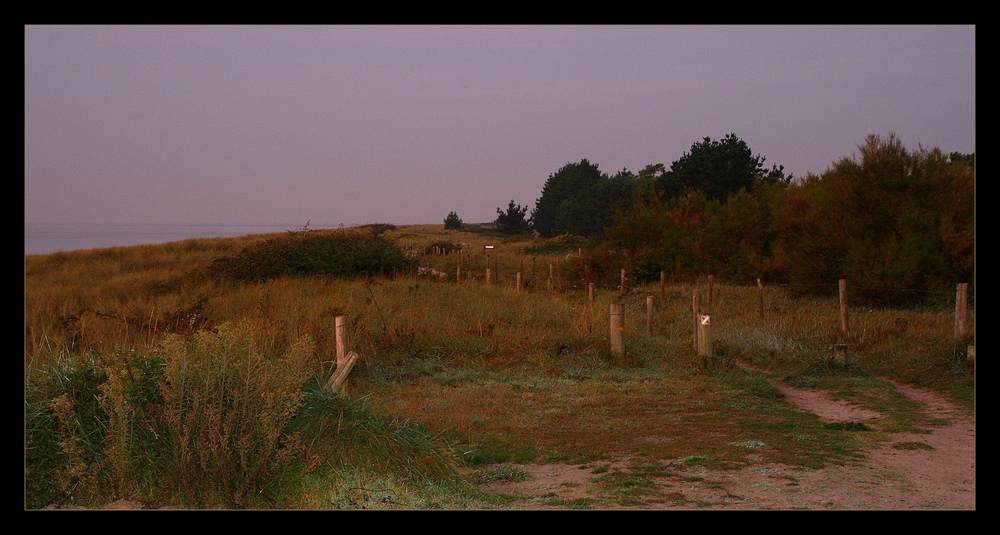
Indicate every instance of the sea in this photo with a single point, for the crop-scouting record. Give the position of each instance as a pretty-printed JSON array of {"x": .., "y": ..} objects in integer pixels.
[{"x": 48, "y": 238}]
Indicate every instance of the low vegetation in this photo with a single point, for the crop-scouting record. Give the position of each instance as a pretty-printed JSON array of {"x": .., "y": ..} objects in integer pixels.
[{"x": 190, "y": 374}]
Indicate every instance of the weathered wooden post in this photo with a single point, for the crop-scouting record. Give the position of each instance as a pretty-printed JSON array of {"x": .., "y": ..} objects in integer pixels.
[
  {"x": 487, "y": 275},
  {"x": 616, "y": 332},
  {"x": 590, "y": 293},
  {"x": 622, "y": 286},
  {"x": 696, "y": 307},
  {"x": 649, "y": 315},
  {"x": 843, "y": 307},
  {"x": 345, "y": 360},
  {"x": 340, "y": 339},
  {"x": 961, "y": 305},
  {"x": 663, "y": 285},
  {"x": 705, "y": 335},
  {"x": 518, "y": 285}
]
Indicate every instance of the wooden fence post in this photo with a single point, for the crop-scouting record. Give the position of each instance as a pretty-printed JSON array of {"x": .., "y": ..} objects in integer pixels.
[
  {"x": 663, "y": 285},
  {"x": 961, "y": 303},
  {"x": 622, "y": 287},
  {"x": 705, "y": 335},
  {"x": 340, "y": 339},
  {"x": 519, "y": 282},
  {"x": 336, "y": 381},
  {"x": 617, "y": 330},
  {"x": 345, "y": 361},
  {"x": 590, "y": 293},
  {"x": 487, "y": 275}
]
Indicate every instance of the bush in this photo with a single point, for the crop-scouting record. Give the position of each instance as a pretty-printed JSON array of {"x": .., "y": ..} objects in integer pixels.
[
  {"x": 312, "y": 253},
  {"x": 452, "y": 222},
  {"x": 63, "y": 431},
  {"x": 225, "y": 410},
  {"x": 378, "y": 229},
  {"x": 201, "y": 422}
]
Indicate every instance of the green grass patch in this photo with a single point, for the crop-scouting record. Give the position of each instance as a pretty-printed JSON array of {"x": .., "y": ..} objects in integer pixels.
[{"x": 912, "y": 446}]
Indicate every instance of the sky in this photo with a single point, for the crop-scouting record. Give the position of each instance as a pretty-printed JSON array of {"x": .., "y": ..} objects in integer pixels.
[{"x": 333, "y": 125}]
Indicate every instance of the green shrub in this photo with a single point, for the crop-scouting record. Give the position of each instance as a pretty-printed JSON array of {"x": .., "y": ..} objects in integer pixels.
[
  {"x": 225, "y": 407},
  {"x": 312, "y": 253},
  {"x": 63, "y": 431},
  {"x": 199, "y": 422},
  {"x": 377, "y": 229}
]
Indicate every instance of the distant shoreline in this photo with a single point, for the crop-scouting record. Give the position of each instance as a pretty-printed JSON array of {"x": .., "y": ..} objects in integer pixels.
[{"x": 48, "y": 238}]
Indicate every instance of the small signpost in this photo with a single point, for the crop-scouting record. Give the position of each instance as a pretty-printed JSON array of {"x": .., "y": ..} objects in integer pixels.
[{"x": 705, "y": 335}]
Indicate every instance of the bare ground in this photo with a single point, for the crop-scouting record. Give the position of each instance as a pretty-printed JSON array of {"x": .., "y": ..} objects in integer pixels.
[{"x": 940, "y": 475}]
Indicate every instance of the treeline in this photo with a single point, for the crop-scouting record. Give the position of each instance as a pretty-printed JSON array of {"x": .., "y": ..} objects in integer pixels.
[{"x": 899, "y": 222}]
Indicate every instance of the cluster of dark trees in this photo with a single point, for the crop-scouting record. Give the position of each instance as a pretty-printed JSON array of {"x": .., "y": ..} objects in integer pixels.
[{"x": 895, "y": 220}]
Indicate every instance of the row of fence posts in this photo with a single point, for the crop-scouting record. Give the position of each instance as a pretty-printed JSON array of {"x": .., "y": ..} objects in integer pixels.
[
  {"x": 702, "y": 332},
  {"x": 703, "y": 322}
]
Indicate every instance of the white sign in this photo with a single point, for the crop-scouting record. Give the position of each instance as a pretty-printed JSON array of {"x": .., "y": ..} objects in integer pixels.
[
  {"x": 705, "y": 320},
  {"x": 488, "y": 247}
]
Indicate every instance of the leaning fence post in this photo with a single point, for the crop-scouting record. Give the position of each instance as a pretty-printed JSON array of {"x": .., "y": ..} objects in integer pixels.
[
  {"x": 345, "y": 361},
  {"x": 336, "y": 382}
]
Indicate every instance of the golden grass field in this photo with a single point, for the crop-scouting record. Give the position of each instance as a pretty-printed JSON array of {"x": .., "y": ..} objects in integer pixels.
[{"x": 505, "y": 374}]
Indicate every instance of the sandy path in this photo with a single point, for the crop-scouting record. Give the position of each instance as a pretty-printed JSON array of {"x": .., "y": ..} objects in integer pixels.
[{"x": 942, "y": 478}]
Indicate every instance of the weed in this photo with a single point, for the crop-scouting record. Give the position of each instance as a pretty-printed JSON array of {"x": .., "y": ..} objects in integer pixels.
[
  {"x": 498, "y": 473},
  {"x": 847, "y": 426},
  {"x": 912, "y": 446}
]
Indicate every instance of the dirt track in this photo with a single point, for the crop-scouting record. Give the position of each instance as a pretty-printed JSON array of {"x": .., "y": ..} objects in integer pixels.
[{"x": 942, "y": 478}]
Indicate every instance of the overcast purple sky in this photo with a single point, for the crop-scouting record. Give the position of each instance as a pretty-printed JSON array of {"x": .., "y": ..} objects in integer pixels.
[{"x": 404, "y": 124}]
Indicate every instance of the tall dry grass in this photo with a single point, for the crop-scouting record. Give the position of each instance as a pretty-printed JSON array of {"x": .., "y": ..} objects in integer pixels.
[{"x": 97, "y": 320}]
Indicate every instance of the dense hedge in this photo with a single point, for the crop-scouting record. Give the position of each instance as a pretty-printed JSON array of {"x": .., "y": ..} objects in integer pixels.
[{"x": 312, "y": 253}]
